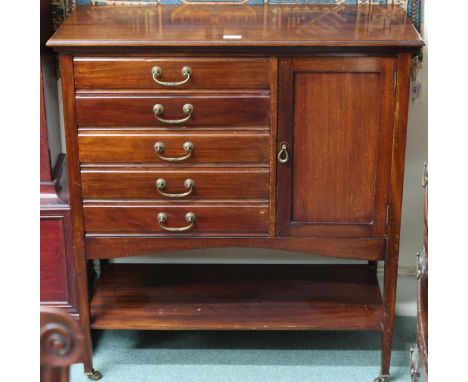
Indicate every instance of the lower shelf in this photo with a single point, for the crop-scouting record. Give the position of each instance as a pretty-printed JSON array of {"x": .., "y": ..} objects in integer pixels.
[{"x": 243, "y": 297}]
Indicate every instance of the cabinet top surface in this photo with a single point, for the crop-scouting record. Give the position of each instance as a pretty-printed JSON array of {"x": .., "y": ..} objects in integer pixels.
[{"x": 236, "y": 26}]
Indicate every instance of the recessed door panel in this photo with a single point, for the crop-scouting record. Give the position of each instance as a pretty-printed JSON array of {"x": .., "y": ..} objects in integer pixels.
[{"x": 335, "y": 147}]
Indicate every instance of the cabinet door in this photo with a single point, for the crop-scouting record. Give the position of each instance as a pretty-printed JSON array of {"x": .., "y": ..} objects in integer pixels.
[{"x": 336, "y": 120}]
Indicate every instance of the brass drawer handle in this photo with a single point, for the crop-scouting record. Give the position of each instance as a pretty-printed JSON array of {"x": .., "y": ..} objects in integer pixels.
[
  {"x": 189, "y": 216},
  {"x": 159, "y": 148},
  {"x": 186, "y": 71},
  {"x": 188, "y": 183},
  {"x": 158, "y": 109},
  {"x": 283, "y": 155}
]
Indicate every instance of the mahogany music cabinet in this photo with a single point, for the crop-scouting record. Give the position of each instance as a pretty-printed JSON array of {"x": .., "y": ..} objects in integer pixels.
[{"x": 214, "y": 126}]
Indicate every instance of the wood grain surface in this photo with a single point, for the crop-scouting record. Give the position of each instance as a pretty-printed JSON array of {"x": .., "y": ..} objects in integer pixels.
[
  {"x": 125, "y": 110},
  {"x": 214, "y": 297},
  {"x": 337, "y": 123},
  {"x": 228, "y": 183},
  {"x": 114, "y": 246},
  {"x": 141, "y": 218},
  {"x": 219, "y": 73},
  {"x": 138, "y": 147},
  {"x": 283, "y": 25}
]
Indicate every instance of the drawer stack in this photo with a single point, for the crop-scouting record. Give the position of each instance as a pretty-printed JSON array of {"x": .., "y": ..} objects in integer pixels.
[{"x": 175, "y": 146}]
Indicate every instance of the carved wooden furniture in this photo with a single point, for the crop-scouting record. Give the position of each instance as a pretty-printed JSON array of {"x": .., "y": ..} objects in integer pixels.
[
  {"x": 59, "y": 293},
  {"x": 237, "y": 126},
  {"x": 58, "y": 281},
  {"x": 419, "y": 355},
  {"x": 61, "y": 344}
]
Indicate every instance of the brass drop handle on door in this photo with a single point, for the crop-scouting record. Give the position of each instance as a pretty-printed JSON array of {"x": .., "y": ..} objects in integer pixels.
[
  {"x": 158, "y": 110},
  {"x": 189, "y": 217},
  {"x": 283, "y": 155},
  {"x": 156, "y": 72},
  {"x": 189, "y": 184},
  {"x": 159, "y": 148}
]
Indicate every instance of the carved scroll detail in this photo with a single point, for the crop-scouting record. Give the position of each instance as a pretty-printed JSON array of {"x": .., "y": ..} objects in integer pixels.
[{"x": 61, "y": 340}]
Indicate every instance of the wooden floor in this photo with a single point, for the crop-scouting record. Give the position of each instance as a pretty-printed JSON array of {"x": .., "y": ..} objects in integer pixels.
[{"x": 244, "y": 297}]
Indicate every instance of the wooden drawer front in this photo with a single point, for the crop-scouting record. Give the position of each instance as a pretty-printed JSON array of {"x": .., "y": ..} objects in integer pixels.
[
  {"x": 136, "y": 73},
  {"x": 208, "y": 184},
  {"x": 207, "y": 148},
  {"x": 137, "y": 111},
  {"x": 143, "y": 218}
]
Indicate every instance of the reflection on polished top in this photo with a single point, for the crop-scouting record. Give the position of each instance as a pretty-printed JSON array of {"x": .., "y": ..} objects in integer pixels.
[{"x": 237, "y": 25}]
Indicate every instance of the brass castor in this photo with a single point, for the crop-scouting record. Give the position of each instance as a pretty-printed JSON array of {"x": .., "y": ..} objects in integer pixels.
[
  {"x": 95, "y": 375},
  {"x": 382, "y": 378}
]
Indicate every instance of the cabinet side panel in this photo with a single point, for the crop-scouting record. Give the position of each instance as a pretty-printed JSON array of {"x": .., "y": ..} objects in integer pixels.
[
  {"x": 396, "y": 197},
  {"x": 335, "y": 147},
  {"x": 74, "y": 185},
  {"x": 54, "y": 275}
]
